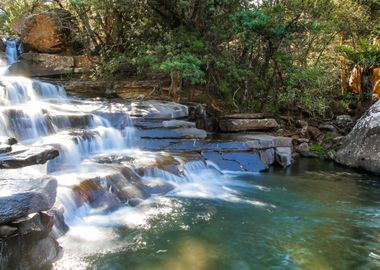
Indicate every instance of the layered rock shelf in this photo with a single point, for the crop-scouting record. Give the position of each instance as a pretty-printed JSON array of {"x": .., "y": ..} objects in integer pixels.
[
  {"x": 104, "y": 154},
  {"x": 247, "y": 122}
]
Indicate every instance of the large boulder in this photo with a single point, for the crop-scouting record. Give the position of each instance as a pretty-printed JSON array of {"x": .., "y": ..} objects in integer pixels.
[
  {"x": 48, "y": 32},
  {"x": 21, "y": 195},
  {"x": 361, "y": 147}
]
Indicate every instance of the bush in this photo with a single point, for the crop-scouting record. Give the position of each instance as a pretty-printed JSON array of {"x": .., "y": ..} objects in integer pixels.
[{"x": 311, "y": 89}]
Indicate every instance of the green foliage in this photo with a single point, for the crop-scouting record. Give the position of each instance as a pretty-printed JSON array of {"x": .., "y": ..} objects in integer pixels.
[
  {"x": 309, "y": 89},
  {"x": 365, "y": 54},
  {"x": 256, "y": 55},
  {"x": 319, "y": 150},
  {"x": 348, "y": 100}
]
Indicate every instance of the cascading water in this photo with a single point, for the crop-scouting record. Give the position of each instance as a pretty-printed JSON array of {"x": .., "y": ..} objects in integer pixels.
[
  {"x": 11, "y": 55},
  {"x": 11, "y": 50},
  {"x": 94, "y": 193},
  {"x": 126, "y": 207}
]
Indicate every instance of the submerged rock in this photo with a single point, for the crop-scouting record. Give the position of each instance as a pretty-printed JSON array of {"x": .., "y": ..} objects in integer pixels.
[
  {"x": 21, "y": 195},
  {"x": 361, "y": 147}
]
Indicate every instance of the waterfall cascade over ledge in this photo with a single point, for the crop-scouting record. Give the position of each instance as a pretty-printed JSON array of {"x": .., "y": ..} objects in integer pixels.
[{"x": 117, "y": 161}]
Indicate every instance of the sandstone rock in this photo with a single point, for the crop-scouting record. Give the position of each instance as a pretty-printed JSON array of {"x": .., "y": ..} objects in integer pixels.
[
  {"x": 361, "y": 147},
  {"x": 284, "y": 156},
  {"x": 21, "y": 195},
  {"x": 31, "y": 236},
  {"x": 345, "y": 123},
  {"x": 87, "y": 88},
  {"x": 327, "y": 127},
  {"x": 244, "y": 116},
  {"x": 180, "y": 133},
  {"x": 42, "y": 64},
  {"x": 48, "y": 32},
  {"x": 85, "y": 61},
  {"x": 303, "y": 147},
  {"x": 343, "y": 119},
  {"x": 314, "y": 133},
  {"x": 303, "y": 140},
  {"x": 234, "y": 125},
  {"x": 22, "y": 156},
  {"x": 301, "y": 123},
  {"x": 170, "y": 124}
]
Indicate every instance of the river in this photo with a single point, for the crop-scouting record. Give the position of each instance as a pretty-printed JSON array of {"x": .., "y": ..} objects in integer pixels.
[{"x": 130, "y": 203}]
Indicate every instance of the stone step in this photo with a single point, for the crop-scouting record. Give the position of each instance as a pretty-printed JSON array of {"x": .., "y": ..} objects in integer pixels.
[
  {"x": 251, "y": 143},
  {"x": 157, "y": 124},
  {"x": 236, "y": 125},
  {"x": 244, "y": 116},
  {"x": 22, "y": 156},
  {"x": 21, "y": 195},
  {"x": 179, "y": 133}
]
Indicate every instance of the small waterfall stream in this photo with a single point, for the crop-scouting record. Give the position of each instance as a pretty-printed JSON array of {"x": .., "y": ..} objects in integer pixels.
[{"x": 11, "y": 50}]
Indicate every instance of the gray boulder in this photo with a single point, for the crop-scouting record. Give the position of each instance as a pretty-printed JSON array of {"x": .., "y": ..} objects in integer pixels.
[
  {"x": 284, "y": 156},
  {"x": 234, "y": 125},
  {"x": 361, "y": 147},
  {"x": 21, "y": 195}
]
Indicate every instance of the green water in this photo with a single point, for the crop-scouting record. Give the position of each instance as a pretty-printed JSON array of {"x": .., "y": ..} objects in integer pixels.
[{"x": 315, "y": 216}]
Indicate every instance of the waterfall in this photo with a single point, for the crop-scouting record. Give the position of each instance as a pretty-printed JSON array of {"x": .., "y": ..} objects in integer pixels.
[
  {"x": 104, "y": 179},
  {"x": 11, "y": 50}
]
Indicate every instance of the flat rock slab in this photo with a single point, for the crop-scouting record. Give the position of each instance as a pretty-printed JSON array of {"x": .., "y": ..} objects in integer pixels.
[
  {"x": 170, "y": 124},
  {"x": 255, "y": 142},
  {"x": 180, "y": 133},
  {"x": 22, "y": 156},
  {"x": 235, "y": 125},
  {"x": 237, "y": 161},
  {"x": 21, "y": 195},
  {"x": 244, "y": 116}
]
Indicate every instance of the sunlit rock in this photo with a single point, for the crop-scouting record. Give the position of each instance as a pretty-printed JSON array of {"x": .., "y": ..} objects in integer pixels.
[
  {"x": 361, "y": 148},
  {"x": 22, "y": 156},
  {"x": 21, "y": 195}
]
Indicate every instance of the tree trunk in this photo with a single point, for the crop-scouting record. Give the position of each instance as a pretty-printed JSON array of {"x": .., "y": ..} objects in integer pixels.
[
  {"x": 367, "y": 88},
  {"x": 343, "y": 70},
  {"x": 175, "y": 84}
]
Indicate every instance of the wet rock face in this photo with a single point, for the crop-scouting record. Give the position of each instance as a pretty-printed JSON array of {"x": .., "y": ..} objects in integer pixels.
[
  {"x": 22, "y": 195},
  {"x": 21, "y": 156},
  {"x": 31, "y": 236},
  {"x": 42, "y": 64},
  {"x": 361, "y": 147}
]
